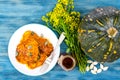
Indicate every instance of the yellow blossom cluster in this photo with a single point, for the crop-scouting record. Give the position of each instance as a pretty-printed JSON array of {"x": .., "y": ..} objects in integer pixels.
[
  {"x": 64, "y": 19},
  {"x": 64, "y": 2},
  {"x": 60, "y": 12}
]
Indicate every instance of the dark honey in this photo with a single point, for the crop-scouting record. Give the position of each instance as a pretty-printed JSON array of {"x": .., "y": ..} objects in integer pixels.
[{"x": 67, "y": 62}]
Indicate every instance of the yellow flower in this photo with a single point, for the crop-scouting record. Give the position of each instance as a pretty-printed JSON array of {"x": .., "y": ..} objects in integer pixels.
[
  {"x": 56, "y": 22},
  {"x": 48, "y": 14},
  {"x": 64, "y": 2},
  {"x": 76, "y": 14},
  {"x": 45, "y": 19},
  {"x": 58, "y": 6},
  {"x": 68, "y": 20}
]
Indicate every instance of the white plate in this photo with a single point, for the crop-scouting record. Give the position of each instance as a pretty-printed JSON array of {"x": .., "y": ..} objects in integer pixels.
[{"x": 15, "y": 40}]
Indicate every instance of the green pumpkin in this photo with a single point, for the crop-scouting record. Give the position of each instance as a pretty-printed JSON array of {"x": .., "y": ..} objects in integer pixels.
[{"x": 99, "y": 34}]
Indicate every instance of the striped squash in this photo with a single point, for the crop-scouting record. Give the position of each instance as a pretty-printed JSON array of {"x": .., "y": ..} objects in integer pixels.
[{"x": 99, "y": 34}]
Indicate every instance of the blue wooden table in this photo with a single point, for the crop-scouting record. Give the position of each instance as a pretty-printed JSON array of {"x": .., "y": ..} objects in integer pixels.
[{"x": 16, "y": 13}]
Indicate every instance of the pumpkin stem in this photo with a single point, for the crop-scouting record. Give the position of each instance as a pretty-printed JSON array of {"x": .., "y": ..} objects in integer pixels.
[{"x": 112, "y": 32}]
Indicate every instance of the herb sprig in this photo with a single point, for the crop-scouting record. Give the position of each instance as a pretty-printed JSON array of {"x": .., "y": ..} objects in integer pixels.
[{"x": 64, "y": 19}]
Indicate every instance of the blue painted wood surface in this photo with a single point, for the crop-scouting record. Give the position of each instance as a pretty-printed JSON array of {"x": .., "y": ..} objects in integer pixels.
[{"x": 16, "y": 13}]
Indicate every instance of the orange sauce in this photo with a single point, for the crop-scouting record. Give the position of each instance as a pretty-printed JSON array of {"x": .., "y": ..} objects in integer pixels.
[{"x": 33, "y": 50}]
